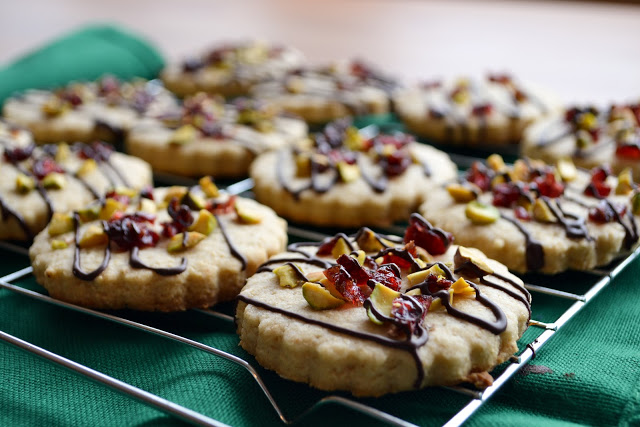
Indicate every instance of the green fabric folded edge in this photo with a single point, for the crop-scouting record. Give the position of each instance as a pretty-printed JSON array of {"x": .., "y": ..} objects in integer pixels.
[{"x": 84, "y": 54}]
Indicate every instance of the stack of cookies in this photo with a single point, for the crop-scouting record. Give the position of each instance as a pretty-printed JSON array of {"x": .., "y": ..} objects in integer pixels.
[{"x": 363, "y": 310}]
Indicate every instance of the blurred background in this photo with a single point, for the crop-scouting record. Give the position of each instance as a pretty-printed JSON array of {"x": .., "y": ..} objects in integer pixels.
[{"x": 585, "y": 51}]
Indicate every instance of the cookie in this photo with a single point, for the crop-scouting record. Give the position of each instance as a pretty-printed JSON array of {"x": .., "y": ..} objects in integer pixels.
[
  {"x": 35, "y": 181},
  {"x": 85, "y": 111},
  {"x": 231, "y": 69},
  {"x": 589, "y": 136},
  {"x": 348, "y": 179},
  {"x": 535, "y": 217},
  {"x": 167, "y": 250},
  {"x": 206, "y": 137},
  {"x": 492, "y": 111},
  {"x": 320, "y": 95},
  {"x": 374, "y": 314}
]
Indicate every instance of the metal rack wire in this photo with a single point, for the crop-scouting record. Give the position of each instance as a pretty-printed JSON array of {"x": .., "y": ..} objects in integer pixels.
[{"x": 601, "y": 278}]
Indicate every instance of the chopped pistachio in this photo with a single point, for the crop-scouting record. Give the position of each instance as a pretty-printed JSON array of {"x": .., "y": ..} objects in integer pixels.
[
  {"x": 567, "y": 169},
  {"x": 367, "y": 241},
  {"x": 319, "y": 298},
  {"x": 147, "y": 205},
  {"x": 60, "y": 223},
  {"x": 496, "y": 162},
  {"x": 183, "y": 135},
  {"x": 480, "y": 213},
  {"x": 176, "y": 191},
  {"x": 63, "y": 152},
  {"x": 288, "y": 276},
  {"x": 625, "y": 182},
  {"x": 462, "y": 193},
  {"x": 89, "y": 213},
  {"x": 93, "y": 236},
  {"x": 205, "y": 223},
  {"x": 24, "y": 183},
  {"x": 381, "y": 299},
  {"x": 59, "y": 244},
  {"x": 87, "y": 167},
  {"x": 247, "y": 215},
  {"x": 542, "y": 212},
  {"x": 110, "y": 207},
  {"x": 54, "y": 180},
  {"x": 348, "y": 172},
  {"x": 208, "y": 187},
  {"x": 179, "y": 243}
]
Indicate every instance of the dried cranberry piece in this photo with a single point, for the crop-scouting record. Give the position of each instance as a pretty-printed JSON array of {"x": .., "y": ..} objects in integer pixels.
[
  {"x": 434, "y": 240},
  {"x": 548, "y": 186},
  {"x": 328, "y": 244},
  {"x": 147, "y": 192},
  {"x": 604, "y": 212},
  {"x": 181, "y": 215},
  {"x": 345, "y": 284},
  {"x": 479, "y": 175},
  {"x": 108, "y": 85},
  {"x": 220, "y": 208},
  {"x": 482, "y": 110},
  {"x": 398, "y": 140},
  {"x": 395, "y": 258},
  {"x": 522, "y": 214},
  {"x": 499, "y": 78},
  {"x": 425, "y": 300},
  {"x": 354, "y": 269},
  {"x": 396, "y": 163},
  {"x": 628, "y": 151},
  {"x": 506, "y": 194},
  {"x": 437, "y": 283},
  {"x": 131, "y": 230},
  {"x": 71, "y": 97},
  {"x": 388, "y": 276},
  {"x": 598, "y": 187},
  {"x": 45, "y": 166},
  {"x": 18, "y": 154},
  {"x": 98, "y": 151},
  {"x": 122, "y": 198},
  {"x": 407, "y": 314}
]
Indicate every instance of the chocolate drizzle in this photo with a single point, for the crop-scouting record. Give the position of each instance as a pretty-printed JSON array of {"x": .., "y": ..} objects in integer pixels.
[
  {"x": 234, "y": 251},
  {"x": 534, "y": 252},
  {"x": 6, "y": 212},
  {"x": 136, "y": 262},
  {"x": 574, "y": 226},
  {"x": 77, "y": 265}
]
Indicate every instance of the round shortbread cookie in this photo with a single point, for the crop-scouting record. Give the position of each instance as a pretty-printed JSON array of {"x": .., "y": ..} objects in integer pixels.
[
  {"x": 320, "y": 95},
  {"x": 464, "y": 111},
  {"x": 589, "y": 136},
  {"x": 85, "y": 111},
  {"x": 349, "y": 180},
  {"x": 534, "y": 217},
  {"x": 35, "y": 181},
  {"x": 231, "y": 69},
  {"x": 133, "y": 252},
  {"x": 314, "y": 319},
  {"x": 206, "y": 137}
]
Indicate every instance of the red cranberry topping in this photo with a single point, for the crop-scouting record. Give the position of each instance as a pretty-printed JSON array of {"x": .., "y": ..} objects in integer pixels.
[
  {"x": 506, "y": 194},
  {"x": 108, "y": 85},
  {"x": 388, "y": 276},
  {"x": 396, "y": 163},
  {"x": 434, "y": 240},
  {"x": 45, "y": 166},
  {"x": 147, "y": 192},
  {"x": 98, "y": 151},
  {"x": 482, "y": 110},
  {"x": 122, "y": 198},
  {"x": 345, "y": 284},
  {"x": 438, "y": 283},
  {"x": 628, "y": 151},
  {"x": 182, "y": 218},
  {"x": 604, "y": 213},
  {"x": 71, "y": 97},
  {"x": 479, "y": 175},
  {"x": 406, "y": 314},
  {"x": 18, "y": 154},
  {"x": 355, "y": 270},
  {"x": 499, "y": 78},
  {"x": 131, "y": 230},
  {"x": 522, "y": 214},
  {"x": 402, "y": 260},
  {"x": 548, "y": 186},
  {"x": 327, "y": 246},
  {"x": 598, "y": 187},
  {"x": 220, "y": 208}
]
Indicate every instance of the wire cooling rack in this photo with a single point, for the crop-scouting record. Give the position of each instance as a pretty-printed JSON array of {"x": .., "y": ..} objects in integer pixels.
[{"x": 591, "y": 283}]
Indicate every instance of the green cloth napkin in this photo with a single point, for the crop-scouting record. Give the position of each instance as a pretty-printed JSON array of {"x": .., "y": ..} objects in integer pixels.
[{"x": 85, "y": 54}]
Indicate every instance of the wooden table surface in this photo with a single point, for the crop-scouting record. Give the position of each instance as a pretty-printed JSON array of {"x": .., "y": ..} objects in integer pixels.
[{"x": 586, "y": 52}]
